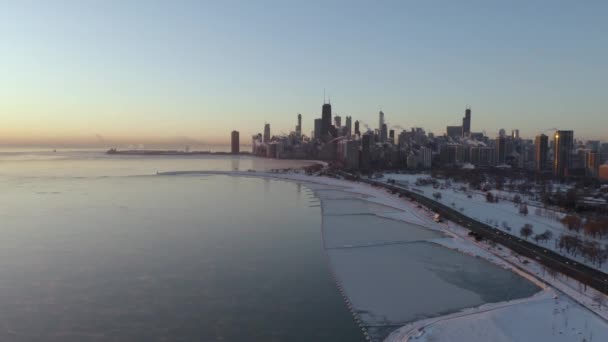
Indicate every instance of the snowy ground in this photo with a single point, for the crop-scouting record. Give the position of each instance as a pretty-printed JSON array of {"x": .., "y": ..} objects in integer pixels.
[
  {"x": 496, "y": 214},
  {"x": 544, "y": 318},
  {"x": 562, "y": 311}
]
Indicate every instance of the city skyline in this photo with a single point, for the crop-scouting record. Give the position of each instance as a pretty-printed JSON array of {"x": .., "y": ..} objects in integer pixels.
[{"x": 208, "y": 69}]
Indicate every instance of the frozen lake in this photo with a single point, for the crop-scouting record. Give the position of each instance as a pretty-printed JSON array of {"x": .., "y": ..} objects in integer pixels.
[{"x": 394, "y": 274}]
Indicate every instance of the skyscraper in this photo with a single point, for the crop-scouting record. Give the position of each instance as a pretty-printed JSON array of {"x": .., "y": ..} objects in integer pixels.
[
  {"x": 318, "y": 129},
  {"x": 326, "y": 120},
  {"x": 338, "y": 121},
  {"x": 454, "y": 131},
  {"x": 267, "y": 133},
  {"x": 357, "y": 131},
  {"x": 592, "y": 163},
  {"x": 380, "y": 120},
  {"x": 563, "y": 143},
  {"x": 366, "y": 142},
  {"x": 299, "y": 125},
  {"x": 501, "y": 149},
  {"x": 349, "y": 125},
  {"x": 466, "y": 122},
  {"x": 542, "y": 152},
  {"x": 515, "y": 134},
  {"x": 383, "y": 133},
  {"x": 235, "y": 144}
]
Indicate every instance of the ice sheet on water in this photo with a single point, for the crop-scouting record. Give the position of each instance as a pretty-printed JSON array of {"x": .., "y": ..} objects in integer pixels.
[
  {"x": 338, "y": 194},
  {"x": 354, "y": 207},
  {"x": 395, "y": 284},
  {"x": 361, "y": 230}
]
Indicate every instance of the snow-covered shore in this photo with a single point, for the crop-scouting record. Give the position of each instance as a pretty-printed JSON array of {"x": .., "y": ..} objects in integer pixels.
[{"x": 548, "y": 315}]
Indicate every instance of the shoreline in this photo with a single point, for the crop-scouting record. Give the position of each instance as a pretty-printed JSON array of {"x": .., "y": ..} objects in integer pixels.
[{"x": 409, "y": 213}]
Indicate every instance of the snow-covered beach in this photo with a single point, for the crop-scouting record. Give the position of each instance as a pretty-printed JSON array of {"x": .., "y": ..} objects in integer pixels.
[{"x": 367, "y": 265}]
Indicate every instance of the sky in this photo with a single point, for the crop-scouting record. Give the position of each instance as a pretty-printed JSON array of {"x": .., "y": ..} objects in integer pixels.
[{"x": 189, "y": 72}]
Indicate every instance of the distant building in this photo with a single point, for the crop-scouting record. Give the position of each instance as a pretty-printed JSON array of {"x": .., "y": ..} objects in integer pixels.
[
  {"x": 541, "y": 144},
  {"x": 466, "y": 122},
  {"x": 391, "y": 136},
  {"x": 318, "y": 129},
  {"x": 383, "y": 133},
  {"x": 338, "y": 121},
  {"x": 594, "y": 145},
  {"x": 349, "y": 125},
  {"x": 357, "y": 131},
  {"x": 299, "y": 125},
  {"x": 515, "y": 134},
  {"x": 562, "y": 153},
  {"x": 348, "y": 153},
  {"x": 425, "y": 157},
  {"x": 267, "y": 133},
  {"x": 501, "y": 149},
  {"x": 603, "y": 172},
  {"x": 234, "y": 142},
  {"x": 411, "y": 162},
  {"x": 451, "y": 154},
  {"x": 326, "y": 121},
  {"x": 366, "y": 143},
  {"x": 592, "y": 163},
  {"x": 482, "y": 155},
  {"x": 454, "y": 132},
  {"x": 380, "y": 120}
]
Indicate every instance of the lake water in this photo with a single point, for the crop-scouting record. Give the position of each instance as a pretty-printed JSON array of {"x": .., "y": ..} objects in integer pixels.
[
  {"x": 97, "y": 255},
  {"x": 97, "y": 247}
]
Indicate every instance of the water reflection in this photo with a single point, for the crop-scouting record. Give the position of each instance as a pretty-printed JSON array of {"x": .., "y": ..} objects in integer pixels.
[{"x": 165, "y": 258}]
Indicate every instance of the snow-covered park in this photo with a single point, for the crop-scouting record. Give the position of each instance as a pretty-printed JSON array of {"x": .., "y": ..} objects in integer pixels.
[{"x": 503, "y": 214}]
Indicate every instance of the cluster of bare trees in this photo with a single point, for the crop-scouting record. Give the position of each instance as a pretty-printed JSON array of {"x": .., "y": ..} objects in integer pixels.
[
  {"x": 550, "y": 214},
  {"x": 596, "y": 227},
  {"x": 543, "y": 237},
  {"x": 424, "y": 181},
  {"x": 592, "y": 251},
  {"x": 490, "y": 198}
]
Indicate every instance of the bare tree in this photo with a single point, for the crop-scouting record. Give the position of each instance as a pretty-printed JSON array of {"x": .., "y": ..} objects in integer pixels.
[
  {"x": 526, "y": 231},
  {"x": 523, "y": 209}
]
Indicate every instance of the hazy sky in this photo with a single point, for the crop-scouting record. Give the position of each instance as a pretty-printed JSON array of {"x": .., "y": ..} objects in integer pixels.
[{"x": 139, "y": 71}]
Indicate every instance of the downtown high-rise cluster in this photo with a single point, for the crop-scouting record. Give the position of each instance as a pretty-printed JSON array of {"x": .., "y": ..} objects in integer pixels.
[{"x": 356, "y": 146}]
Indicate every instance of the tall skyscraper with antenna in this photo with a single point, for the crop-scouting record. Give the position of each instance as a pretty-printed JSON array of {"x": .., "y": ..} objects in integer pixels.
[{"x": 325, "y": 118}]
